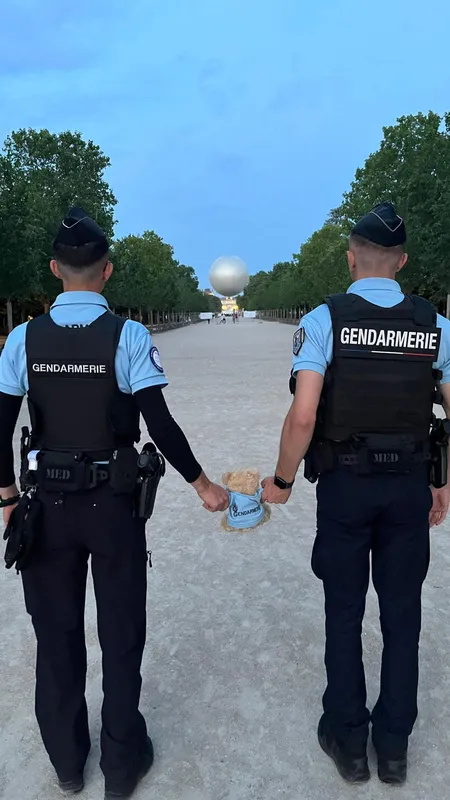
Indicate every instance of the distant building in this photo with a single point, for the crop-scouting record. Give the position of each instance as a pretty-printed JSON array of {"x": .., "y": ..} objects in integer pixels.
[
  {"x": 229, "y": 305},
  {"x": 208, "y": 291}
]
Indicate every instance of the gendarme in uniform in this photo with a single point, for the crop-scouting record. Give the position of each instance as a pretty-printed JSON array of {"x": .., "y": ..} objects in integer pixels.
[
  {"x": 379, "y": 352},
  {"x": 88, "y": 375}
]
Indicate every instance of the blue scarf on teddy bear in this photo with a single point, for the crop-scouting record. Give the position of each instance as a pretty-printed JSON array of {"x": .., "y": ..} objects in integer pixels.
[{"x": 245, "y": 511}]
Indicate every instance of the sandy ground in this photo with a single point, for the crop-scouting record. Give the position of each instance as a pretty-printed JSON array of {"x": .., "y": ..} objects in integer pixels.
[{"x": 233, "y": 671}]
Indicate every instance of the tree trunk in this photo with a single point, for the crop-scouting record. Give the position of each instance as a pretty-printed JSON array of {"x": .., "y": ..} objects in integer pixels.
[
  {"x": 129, "y": 313},
  {"x": 9, "y": 315},
  {"x": 46, "y": 307},
  {"x": 448, "y": 307},
  {"x": 140, "y": 314}
]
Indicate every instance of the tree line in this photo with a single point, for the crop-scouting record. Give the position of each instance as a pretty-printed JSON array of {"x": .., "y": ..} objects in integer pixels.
[
  {"x": 42, "y": 174},
  {"x": 411, "y": 168}
]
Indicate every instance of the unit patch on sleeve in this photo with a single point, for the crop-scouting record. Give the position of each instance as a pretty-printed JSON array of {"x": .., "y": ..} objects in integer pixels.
[
  {"x": 299, "y": 338},
  {"x": 155, "y": 359}
]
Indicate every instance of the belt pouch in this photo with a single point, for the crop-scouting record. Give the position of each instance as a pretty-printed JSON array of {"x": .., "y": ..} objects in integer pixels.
[
  {"x": 123, "y": 470},
  {"x": 63, "y": 472}
]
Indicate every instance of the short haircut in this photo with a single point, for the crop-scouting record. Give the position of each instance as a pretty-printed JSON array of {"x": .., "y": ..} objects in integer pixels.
[
  {"x": 80, "y": 258},
  {"x": 375, "y": 252}
]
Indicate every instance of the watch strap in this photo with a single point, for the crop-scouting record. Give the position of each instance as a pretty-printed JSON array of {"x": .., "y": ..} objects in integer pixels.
[
  {"x": 10, "y": 501},
  {"x": 282, "y": 484}
]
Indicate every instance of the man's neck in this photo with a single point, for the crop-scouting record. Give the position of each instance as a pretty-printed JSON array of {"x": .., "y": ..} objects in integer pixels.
[
  {"x": 82, "y": 287},
  {"x": 360, "y": 275}
]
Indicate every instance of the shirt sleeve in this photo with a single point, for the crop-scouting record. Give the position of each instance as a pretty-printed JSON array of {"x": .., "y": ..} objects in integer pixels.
[
  {"x": 312, "y": 347},
  {"x": 13, "y": 366},
  {"x": 138, "y": 363},
  {"x": 167, "y": 434},
  {"x": 9, "y": 414},
  {"x": 443, "y": 362}
]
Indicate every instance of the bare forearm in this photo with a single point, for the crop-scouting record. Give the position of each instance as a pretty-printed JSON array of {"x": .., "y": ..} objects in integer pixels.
[
  {"x": 447, "y": 414},
  {"x": 202, "y": 483},
  {"x": 295, "y": 440}
]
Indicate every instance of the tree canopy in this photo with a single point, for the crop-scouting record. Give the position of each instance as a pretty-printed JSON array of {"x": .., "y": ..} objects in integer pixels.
[
  {"x": 411, "y": 168},
  {"x": 42, "y": 174}
]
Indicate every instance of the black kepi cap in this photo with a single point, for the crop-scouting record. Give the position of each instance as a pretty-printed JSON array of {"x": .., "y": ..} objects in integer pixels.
[
  {"x": 382, "y": 226},
  {"x": 78, "y": 229}
]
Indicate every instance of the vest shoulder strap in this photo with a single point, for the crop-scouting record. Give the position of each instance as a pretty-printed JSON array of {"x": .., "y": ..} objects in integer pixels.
[
  {"x": 108, "y": 321},
  {"x": 424, "y": 312},
  {"x": 41, "y": 323},
  {"x": 351, "y": 306},
  {"x": 343, "y": 305},
  {"x": 342, "y": 300}
]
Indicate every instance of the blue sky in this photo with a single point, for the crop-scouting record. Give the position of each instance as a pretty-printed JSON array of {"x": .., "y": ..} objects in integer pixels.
[{"x": 233, "y": 126}]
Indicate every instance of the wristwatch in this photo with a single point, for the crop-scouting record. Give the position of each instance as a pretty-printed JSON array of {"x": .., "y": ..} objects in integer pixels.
[
  {"x": 10, "y": 501},
  {"x": 282, "y": 484}
]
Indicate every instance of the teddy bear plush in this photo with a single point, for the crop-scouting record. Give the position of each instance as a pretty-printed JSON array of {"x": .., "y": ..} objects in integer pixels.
[{"x": 246, "y": 511}]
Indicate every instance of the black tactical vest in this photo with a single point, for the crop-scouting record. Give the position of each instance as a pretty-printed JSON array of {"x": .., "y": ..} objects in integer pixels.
[
  {"x": 74, "y": 401},
  {"x": 381, "y": 378}
]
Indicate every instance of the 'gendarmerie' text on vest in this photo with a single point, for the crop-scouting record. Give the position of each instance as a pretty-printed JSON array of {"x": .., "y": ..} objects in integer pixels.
[
  {"x": 77, "y": 369},
  {"x": 411, "y": 340}
]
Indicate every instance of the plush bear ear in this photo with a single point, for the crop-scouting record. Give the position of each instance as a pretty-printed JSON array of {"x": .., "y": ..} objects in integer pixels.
[{"x": 226, "y": 477}]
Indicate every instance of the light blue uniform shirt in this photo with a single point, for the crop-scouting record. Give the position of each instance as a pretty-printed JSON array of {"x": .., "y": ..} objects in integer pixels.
[
  {"x": 316, "y": 351},
  {"x": 137, "y": 359}
]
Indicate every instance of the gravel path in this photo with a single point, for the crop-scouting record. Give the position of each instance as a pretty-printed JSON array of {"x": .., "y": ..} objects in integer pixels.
[{"x": 233, "y": 671}]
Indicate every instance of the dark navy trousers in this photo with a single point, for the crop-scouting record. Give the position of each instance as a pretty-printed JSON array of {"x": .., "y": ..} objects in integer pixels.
[
  {"x": 95, "y": 526},
  {"x": 378, "y": 521}
]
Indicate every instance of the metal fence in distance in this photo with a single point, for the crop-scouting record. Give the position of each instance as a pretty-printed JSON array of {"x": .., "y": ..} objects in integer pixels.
[{"x": 290, "y": 316}]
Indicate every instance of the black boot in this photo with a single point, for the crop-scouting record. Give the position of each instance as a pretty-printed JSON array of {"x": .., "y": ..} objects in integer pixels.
[
  {"x": 392, "y": 770},
  {"x": 353, "y": 767},
  {"x": 73, "y": 786},
  {"x": 392, "y": 754},
  {"x": 120, "y": 790}
]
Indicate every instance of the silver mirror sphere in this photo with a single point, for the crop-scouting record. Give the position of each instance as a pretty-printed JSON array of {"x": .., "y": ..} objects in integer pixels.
[{"x": 228, "y": 275}]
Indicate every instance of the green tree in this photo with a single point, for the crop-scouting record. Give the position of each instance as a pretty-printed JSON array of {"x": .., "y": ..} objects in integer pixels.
[
  {"x": 256, "y": 296},
  {"x": 45, "y": 174},
  {"x": 213, "y": 303},
  {"x": 320, "y": 268},
  {"x": 189, "y": 296},
  {"x": 148, "y": 277},
  {"x": 145, "y": 275},
  {"x": 41, "y": 176},
  {"x": 18, "y": 273},
  {"x": 411, "y": 168}
]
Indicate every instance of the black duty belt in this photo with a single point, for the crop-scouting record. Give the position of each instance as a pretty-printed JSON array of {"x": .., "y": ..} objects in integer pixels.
[
  {"x": 99, "y": 474},
  {"x": 370, "y": 454},
  {"x": 378, "y": 459},
  {"x": 381, "y": 457},
  {"x": 62, "y": 472}
]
